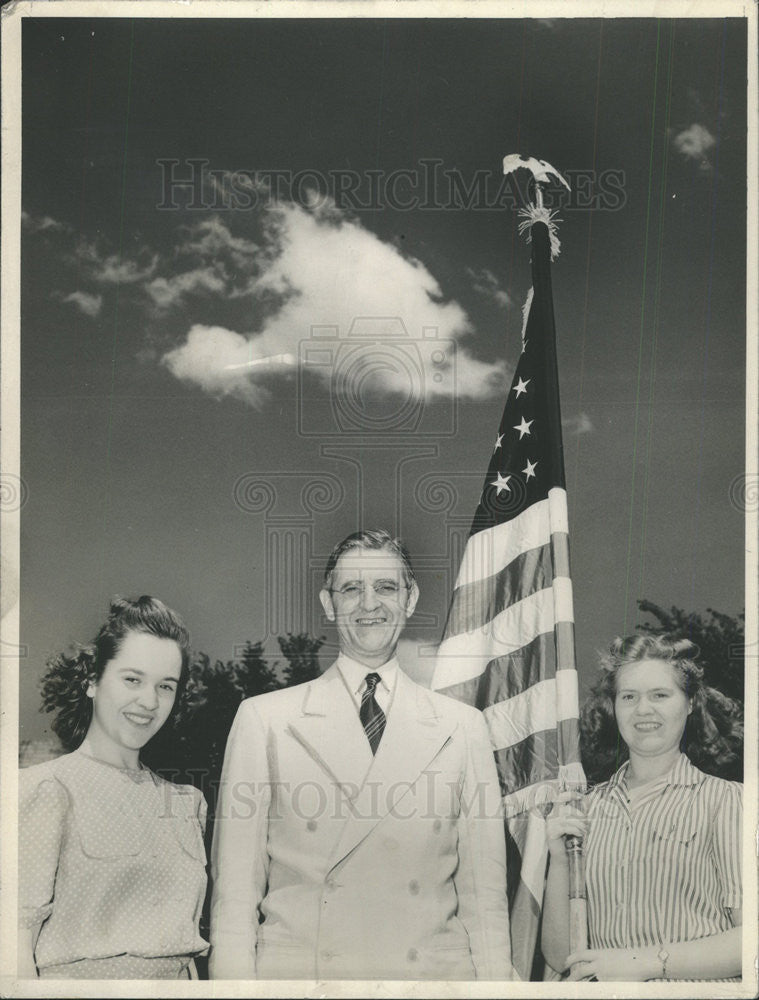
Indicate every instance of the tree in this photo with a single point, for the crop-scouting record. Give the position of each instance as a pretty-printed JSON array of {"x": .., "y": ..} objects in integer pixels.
[
  {"x": 302, "y": 654},
  {"x": 190, "y": 749},
  {"x": 254, "y": 675},
  {"x": 720, "y": 638}
]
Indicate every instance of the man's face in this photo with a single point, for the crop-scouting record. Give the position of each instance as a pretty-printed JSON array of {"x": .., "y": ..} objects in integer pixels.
[{"x": 369, "y": 600}]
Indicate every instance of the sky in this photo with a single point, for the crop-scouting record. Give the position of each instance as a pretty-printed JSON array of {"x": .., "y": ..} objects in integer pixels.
[{"x": 272, "y": 288}]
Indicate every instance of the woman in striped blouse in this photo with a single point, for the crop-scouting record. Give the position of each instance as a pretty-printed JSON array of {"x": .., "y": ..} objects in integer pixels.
[{"x": 662, "y": 837}]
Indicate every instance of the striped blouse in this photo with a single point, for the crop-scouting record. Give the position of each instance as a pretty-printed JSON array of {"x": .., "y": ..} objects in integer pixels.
[{"x": 666, "y": 866}]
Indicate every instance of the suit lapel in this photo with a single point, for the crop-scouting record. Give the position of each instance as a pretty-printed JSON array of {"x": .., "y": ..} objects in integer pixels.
[
  {"x": 330, "y": 730},
  {"x": 413, "y": 736}
]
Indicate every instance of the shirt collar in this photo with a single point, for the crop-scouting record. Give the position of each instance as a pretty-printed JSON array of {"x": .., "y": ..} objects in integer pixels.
[
  {"x": 683, "y": 772},
  {"x": 354, "y": 673}
]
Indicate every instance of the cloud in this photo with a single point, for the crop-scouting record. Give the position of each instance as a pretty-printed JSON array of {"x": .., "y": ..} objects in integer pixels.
[
  {"x": 212, "y": 238},
  {"x": 296, "y": 271},
  {"x": 486, "y": 283},
  {"x": 167, "y": 292},
  {"x": 579, "y": 424},
  {"x": 224, "y": 263},
  {"x": 39, "y": 224},
  {"x": 90, "y": 305},
  {"x": 215, "y": 359},
  {"x": 694, "y": 143},
  {"x": 317, "y": 269},
  {"x": 115, "y": 269}
]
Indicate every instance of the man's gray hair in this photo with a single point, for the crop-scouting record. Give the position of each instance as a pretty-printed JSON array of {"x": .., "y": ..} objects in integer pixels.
[{"x": 371, "y": 538}]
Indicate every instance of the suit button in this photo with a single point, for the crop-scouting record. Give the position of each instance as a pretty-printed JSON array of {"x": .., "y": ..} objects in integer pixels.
[
  {"x": 413, "y": 955},
  {"x": 311, "y": 825},
  {"x": 327, "y": 955},
  {"x": 413, "y": 887},
  {"x": 331, "y": 884}
]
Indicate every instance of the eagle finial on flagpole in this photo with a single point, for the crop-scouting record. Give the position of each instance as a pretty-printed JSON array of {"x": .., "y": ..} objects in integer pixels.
[{"x": 542, "y": 173}]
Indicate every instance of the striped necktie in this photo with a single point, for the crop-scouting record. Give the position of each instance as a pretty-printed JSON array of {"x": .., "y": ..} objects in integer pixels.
[{"x": 371, "y": 715}]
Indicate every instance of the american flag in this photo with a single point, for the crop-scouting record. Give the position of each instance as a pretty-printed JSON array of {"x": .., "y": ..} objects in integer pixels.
[{"x": 508, "y": 646}]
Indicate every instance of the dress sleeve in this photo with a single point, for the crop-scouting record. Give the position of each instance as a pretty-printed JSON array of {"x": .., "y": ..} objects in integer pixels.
[
  {"x": 201, "y": 809},
  {"x": 42, "y": 811},
  {"x": 726, "y": 844}
]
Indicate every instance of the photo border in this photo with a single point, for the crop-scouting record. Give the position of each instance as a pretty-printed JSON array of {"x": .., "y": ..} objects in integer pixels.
[{"x": 13, "y": 16}]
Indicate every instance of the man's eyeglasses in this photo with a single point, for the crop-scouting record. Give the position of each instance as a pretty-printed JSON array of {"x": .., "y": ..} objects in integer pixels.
[{"x": 384, "y": 588}]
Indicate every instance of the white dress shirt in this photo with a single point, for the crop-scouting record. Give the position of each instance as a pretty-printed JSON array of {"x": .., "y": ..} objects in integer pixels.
[{"x": 354, "y": 675}]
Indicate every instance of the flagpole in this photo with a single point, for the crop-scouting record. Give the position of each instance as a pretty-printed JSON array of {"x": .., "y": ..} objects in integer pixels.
[
  {"x": 578, "y": 900},
  {"x": 578, "y": 903},
  {"x": 502, "y": 643}
]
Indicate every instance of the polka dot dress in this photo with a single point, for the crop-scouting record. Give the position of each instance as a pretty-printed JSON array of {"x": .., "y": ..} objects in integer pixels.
[{"x": 112, "y": 864}]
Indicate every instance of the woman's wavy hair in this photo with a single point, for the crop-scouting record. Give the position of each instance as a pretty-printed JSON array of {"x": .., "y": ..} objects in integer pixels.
[
  {"x": 68, "y": 676},
  {"x": 713, "y": 736}
]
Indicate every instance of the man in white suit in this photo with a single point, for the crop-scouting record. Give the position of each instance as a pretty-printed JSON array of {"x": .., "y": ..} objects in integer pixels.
[{"x": 359, "y": 831}]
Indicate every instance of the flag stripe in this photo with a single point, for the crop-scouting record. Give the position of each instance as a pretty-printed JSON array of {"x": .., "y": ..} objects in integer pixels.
[
  {"x": 492, "y": 548},
  {"x": 487, "y": 551},
  {"x": 534, "y": 856},
  {"x": 510, "y": 674},
  {"x": 535, "y": 759},
  {"x": 475, "y": 604},
  {"x": 539, "y": 707},
  {"x": 466, "y": 655}
]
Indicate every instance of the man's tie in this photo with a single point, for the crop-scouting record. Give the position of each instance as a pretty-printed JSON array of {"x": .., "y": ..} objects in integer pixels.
[{"x": 371, "y": 715}]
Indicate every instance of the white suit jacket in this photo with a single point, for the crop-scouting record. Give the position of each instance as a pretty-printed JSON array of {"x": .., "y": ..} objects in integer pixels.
[{"x": 328, "y": 863}]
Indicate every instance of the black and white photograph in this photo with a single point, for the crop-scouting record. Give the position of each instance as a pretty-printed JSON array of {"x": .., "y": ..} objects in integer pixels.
[{"x": 379, "y": 499}]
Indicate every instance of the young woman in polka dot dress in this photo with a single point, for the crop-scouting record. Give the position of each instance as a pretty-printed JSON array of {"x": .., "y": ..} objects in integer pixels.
[{"x": 111, "y": 857}]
